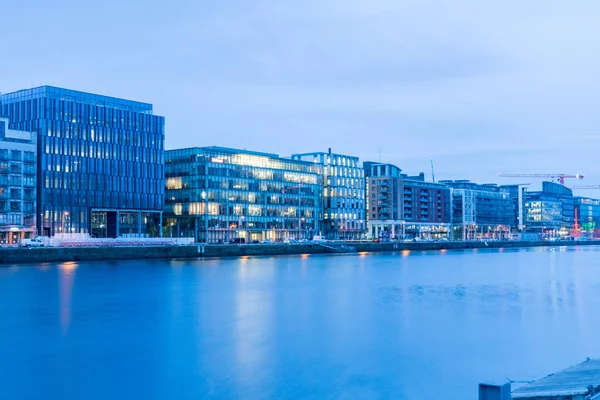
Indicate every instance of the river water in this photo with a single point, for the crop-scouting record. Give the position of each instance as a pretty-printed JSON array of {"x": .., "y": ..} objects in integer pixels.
[{"x": 411, "y": 325}]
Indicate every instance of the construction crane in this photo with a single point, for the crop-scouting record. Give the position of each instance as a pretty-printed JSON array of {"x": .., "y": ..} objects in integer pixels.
[
  {"x": 432, "y": 172},
  {"x": 559, "y": 177}
]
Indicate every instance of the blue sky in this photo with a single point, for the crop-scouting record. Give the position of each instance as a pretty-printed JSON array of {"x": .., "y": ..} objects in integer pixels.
[{"x": 480, "y": 87}]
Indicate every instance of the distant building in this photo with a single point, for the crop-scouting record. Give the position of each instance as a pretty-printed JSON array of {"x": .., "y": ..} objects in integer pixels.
[
  {"x": 426, "y": 209},
  {"x": 588, "y": 215},
  {"x": 100, "y": 160},
  {"x": 17, "y": 184},
  {"x": 344, "y": 195},
  {"x": 385, "y": 216},
  {"x": 400, "y": 206},
  {"x": 480, "y": 211},
  {"x": 551, "y": 211},
  {"x": 218, "y": 194},
  {"x": 517, "y": 194}
]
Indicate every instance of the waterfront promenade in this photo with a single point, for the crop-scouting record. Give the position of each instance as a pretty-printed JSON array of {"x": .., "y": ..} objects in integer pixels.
[{"x": 61, "y": 254}]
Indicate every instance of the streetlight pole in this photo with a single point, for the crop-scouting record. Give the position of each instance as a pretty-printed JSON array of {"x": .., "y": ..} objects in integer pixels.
[{"x": 64, "y": 217}]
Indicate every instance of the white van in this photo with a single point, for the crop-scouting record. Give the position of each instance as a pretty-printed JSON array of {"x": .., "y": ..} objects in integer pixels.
[
  {"x": 319, "y": 239},
  {"x": 38, "y": 241}
]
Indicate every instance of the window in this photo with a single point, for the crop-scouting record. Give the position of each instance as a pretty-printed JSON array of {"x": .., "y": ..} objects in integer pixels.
[
  {"x": 15, "y": 155},
  {"x": 15, "y": 180},
  {"x": 29, "y": 181},
  {"x": 29, "y": 156},
  {"x": 15, "y": 193},
  {"x": 15, "y": 206},
  {"x": 14, "y": 219}
]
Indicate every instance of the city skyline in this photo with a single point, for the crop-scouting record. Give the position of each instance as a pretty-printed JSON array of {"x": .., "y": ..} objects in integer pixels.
[{"x": 492, "y": 89}]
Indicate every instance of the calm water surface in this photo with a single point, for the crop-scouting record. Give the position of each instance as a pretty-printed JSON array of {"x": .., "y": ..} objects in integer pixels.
[{"x": 419, "y": 325}]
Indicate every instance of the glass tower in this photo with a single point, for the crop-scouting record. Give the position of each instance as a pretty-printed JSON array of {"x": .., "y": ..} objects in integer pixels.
[
  {"x": 344, "y": 194},
  {"x": 100, "y": 163},
  {"x": 218, "y": 194}
]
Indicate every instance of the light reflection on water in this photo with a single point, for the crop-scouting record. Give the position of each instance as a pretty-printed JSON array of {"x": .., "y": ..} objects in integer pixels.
[{"x": 424, "y": 325}]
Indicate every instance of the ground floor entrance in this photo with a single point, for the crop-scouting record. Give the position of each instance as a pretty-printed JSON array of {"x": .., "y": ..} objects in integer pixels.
[
  {"x": 125, "y": 223},
  {"x": 14, "y": 237}
]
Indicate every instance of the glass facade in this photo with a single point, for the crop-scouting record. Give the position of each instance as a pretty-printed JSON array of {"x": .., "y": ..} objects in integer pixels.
[
  {"x": 99, "y": 157},
  {"x": 550, "y": 211},
  {"x": 17, "y": 184},
  {"x": 219, "y": 195},
  {"x": 588, "y": 214},
  {"x": 344, "y": 194},
  {"x": 480, "y": 211}
]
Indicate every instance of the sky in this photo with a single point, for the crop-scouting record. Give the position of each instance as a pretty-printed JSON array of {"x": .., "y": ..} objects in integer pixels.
[{"x": 480, "y": 87}]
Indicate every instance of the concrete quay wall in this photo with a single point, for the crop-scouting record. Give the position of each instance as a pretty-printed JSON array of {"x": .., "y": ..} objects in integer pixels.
[{"x": 59, "y": 254}]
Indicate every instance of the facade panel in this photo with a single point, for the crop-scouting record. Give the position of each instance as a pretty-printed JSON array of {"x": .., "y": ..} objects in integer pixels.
[
  {"x": 97, "y": 155},
  {"x": 344, "y": 194},
  {"x": 17, "y": 184},
  {"x": 219, "y": 195}
]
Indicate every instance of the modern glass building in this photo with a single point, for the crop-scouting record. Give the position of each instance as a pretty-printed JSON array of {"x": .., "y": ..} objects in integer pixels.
[
  {"x": 344, "y": 194},
  {"x": 551, "y": 211},
  {"x": 17, "y": 184},
  {"x": 480, "y": 211},
  {"x": 218, "y": 195},
  {"x": 100, "y": 161},
  {"x": 588, "y": 215}
]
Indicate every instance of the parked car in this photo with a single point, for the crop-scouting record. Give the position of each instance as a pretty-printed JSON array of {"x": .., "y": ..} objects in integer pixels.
[
  {"x": 291, "y": 241},
  {"x": 238, "y": 241},
  {"x": 267, "y": 241},
  {"x": 319, "y": 239},
  {"x": 255, "y": 242}
]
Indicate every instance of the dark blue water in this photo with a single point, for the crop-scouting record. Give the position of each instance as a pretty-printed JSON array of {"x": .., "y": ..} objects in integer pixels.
[{"x": 403, "y": 326}]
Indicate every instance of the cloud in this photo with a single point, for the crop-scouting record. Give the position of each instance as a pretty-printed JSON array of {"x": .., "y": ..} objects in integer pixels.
[{"x": 480, "y": 86}]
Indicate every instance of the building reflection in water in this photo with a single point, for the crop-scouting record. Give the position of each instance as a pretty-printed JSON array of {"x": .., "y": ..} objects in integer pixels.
[{"x": 66, "y": 279}]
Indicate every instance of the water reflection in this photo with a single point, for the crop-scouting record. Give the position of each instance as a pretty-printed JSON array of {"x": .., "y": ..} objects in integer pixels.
[
  {"x": 66, "y": 281},
  {"x": 382, "y": 326}
]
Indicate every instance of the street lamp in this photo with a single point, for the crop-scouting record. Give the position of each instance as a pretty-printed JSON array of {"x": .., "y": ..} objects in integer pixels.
[
  {"x": 240, "y": 219},
  {"x": 64, "y": 217}
]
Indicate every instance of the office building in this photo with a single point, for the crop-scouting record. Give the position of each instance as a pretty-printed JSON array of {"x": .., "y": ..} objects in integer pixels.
[
  {"x": 480, "y": 211},
  {"x": 217, "y": 194},
  {"x": 100, "y": 161},
  {"x": 17, "y": 184},
  {"x": 551, "y": 211},
  {"x": 517, "y": 194},
  {"x": 344, "y": 194},
  {"x": 587, "y": 212},
  {"x": 405, "y": 207}
]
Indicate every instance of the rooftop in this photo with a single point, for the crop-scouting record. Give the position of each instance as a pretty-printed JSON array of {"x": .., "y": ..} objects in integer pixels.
[
  {"x": 53, "y": 92},
  {"x": 579, "y": 380}
]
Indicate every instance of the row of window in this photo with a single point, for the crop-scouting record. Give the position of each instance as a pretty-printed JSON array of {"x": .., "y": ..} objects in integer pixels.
[
  {"x": 17, "y": 155},
  {"x": 78, "y": 113},
  {"x": 100, "y": 199},
  {"x": 16, "y": 219},
  {"x": 117, "y": 185},
  {"x": 17, "y": 180},
  {"x": 17, "y": 168},
  {"x": 67, "y": 164},
  {"x": 16, "y": 206},
  {"x": 251, "y": 211},
  {"x": 104, "y": 151}
]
